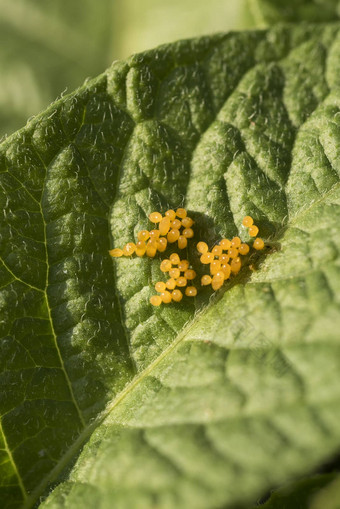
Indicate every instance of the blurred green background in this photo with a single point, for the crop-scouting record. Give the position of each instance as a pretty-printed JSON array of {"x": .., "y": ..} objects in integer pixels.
[{"x": 48, "y": 47}]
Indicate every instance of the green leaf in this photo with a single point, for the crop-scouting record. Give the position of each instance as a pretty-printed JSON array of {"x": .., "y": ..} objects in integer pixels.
[
  {"x": 328, "y": 497},
  {"x": 267, "y": 12},
  {"x": 205, "y": 403},
  {"x": 299, "y": 495},
  {"x": 46, "y": 48}
]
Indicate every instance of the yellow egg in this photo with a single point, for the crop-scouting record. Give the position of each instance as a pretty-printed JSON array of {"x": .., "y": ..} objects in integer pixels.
[
  {"x": 224, "y": 258},
  {"x": 253, "y": 230},
  {"x": 190, "y": 274},
  {"x": 219, "y": 275},
  {"x": 171, "y": 214},
  {"x": 258, "y": 244},
  {"x": 174, "y": 273},
  {"x": 156, "y": 300},
  {"x": 182, "y": 242},
  {"x": 173, "y": 235},
  {"x": 215, "y": 266},
  {"x": 191, "y": 291},
  {"x": 181, "y": 213},
  {"x": 217, "y": 282},
  {"x": 233, "y": 252},
  {"x": 177, "y": 295},
  {"x": 181, "y": 281},
  {"x": 226, "y": 269},
  {"x": 155, "y": 217},
  {"x": 161, "y": 244},
  {"x": 236, "y": 242},
  {"x": 160, "y": 286},
  {"x": 188, "y": 233},
  {"x": 247, "y": 221},
  {"x": 176, "y": 224},
  {"x": 243, "y": 249},
  {"x": 151, "y": 250},
  {"x": 116, "y": 253},
  {"x": 235, "y": 265},
  {"x": 205, "y": 280},
  {"x": 164, "y": 225},
  {"x": 225, "y": 244},
  {"x": 143, "y": 235},
  {"x": 129, "y": 249},
  {"x": 217, "y": 250},
  {"x": 165, "y": 265},
  {"x": 187, "y": 222},
  {"x": 140, "y": 248},
  {"x": 202, "y": 247},
  {"x": 154, "y": 234},
  {"x": 174, "y": 258},
  {"x": 166, "y": 297},
  {"x": 171, "y": 284},
  {"x": 183, "y": 265},
  {"x": 207, "y": 258}
]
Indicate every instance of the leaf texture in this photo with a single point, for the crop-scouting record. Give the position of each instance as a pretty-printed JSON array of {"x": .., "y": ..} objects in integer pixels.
[{"x": 206, "y": 403}]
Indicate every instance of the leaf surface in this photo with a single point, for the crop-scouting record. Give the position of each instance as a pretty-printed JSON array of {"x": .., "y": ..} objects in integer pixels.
[
  {"x": 205, "y": 403},
  {"x": 304, "y": 494}
]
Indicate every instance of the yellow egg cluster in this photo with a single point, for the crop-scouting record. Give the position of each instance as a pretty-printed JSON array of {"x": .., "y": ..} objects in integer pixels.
[
  {"x": 224, "y": 259},
  {"x": 180, "y": 274},
  {"x": 172, "y": 227}
]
